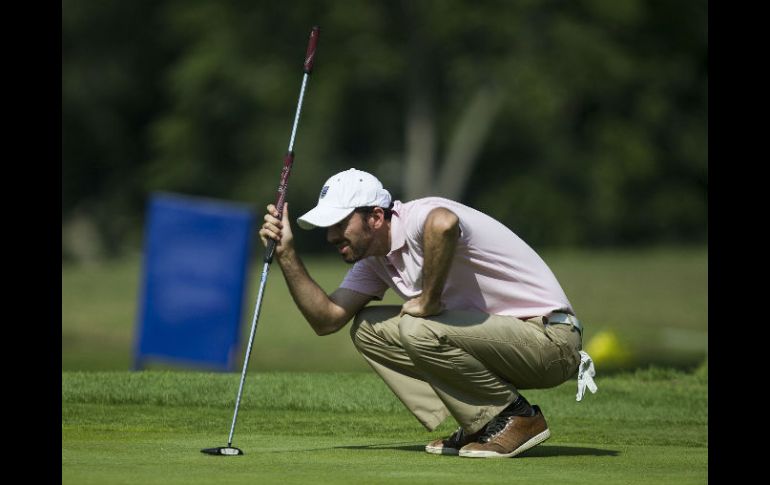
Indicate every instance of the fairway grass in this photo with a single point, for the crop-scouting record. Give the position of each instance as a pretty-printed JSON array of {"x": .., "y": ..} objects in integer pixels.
[{"x": 648, "y": 426}]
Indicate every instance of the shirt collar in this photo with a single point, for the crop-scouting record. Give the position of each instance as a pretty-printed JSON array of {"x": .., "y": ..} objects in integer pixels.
[{"x": 397, "y": 230}]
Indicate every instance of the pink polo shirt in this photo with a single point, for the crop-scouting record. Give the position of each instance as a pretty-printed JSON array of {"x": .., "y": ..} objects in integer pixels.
[{"x": 493, "y": 270}]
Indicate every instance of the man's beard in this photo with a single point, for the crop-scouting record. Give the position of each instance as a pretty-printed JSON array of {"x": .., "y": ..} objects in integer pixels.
[
  {"x": 356, "y": 254},
  {"x": 359, "y": 250}
]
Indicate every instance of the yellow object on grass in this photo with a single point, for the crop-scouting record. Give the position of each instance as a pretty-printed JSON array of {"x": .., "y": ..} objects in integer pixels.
[{"x": 606, "y": 348}]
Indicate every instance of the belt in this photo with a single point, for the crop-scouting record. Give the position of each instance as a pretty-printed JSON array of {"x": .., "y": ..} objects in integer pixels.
[{"x": 564, "y": 318}]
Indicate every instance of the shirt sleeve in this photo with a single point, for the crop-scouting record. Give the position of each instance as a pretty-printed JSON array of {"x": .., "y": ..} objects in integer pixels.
[
  {"x": 363, "y": 278},
  {"x": 415, "y": 223}
]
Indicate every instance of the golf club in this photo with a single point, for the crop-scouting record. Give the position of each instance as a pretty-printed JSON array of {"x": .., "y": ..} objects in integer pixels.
[{"x": 288, "y": 161}]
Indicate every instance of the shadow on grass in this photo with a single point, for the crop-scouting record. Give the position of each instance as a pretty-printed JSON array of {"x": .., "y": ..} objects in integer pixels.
[
  {"x": 546, "y": 451},
  {"x": 385, "y": 446},
  {"x": 537, "y": 452}
]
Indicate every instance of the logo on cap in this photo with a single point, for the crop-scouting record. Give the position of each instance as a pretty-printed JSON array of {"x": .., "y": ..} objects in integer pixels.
[{"x": 323, "y": 191}]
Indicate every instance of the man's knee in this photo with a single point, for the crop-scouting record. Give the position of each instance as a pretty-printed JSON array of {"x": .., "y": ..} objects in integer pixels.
[
  {"x": 362, "y": 331},
  {"x": 416, "y": 334},
  {"x": 356, "y": 329}
]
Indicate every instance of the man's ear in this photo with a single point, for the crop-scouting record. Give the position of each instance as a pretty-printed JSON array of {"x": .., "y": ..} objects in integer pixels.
[{"x": 376, "y": 218}]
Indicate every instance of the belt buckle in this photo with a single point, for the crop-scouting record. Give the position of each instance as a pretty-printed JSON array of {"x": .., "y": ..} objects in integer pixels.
[{"x": 565, "y": 318}]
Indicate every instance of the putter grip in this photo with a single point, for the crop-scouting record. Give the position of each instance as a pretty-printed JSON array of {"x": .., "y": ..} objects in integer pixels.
[
  {"x": 288, "y": 161},
  {"x": 311, "y": 47}
]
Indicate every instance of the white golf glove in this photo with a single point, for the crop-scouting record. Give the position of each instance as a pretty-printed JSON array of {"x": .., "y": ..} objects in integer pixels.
[{"x": 586, "y": 373}]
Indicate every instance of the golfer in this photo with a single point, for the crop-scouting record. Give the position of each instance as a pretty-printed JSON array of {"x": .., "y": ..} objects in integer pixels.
[{"x": 483, "y": 315}]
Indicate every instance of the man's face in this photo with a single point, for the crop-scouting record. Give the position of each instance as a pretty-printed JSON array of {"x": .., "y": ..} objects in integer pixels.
[{"x": 352, "y": 236}]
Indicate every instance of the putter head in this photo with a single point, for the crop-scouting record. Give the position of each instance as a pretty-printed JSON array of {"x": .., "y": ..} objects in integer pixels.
[{"x": 223, "y": 451}]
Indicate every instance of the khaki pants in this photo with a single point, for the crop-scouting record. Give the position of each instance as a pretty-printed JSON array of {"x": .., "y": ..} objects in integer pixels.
[{"x": 467, "y": 364}]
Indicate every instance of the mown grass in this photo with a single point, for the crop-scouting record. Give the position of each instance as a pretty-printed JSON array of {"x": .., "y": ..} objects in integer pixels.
[
  {"x": 647, "y": 426},
  {"x": 655, "y": 300}
]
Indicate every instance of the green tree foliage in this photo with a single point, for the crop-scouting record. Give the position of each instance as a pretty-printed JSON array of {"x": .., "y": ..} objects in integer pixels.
[
  {"x": 113, "y": 54},
  {"x": 591, "y": 115}
]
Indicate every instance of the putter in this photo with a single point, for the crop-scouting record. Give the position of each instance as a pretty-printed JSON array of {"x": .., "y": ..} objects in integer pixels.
[{"x": 288, "y": 161}]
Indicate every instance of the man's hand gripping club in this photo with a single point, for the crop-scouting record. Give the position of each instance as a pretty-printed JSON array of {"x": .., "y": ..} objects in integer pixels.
[{"x": 278, "y": 230}]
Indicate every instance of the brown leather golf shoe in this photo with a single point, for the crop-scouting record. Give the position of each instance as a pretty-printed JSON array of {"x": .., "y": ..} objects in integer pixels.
[
  {"x": 452, "y": 444},
  {"x": 508, "y": 435}
]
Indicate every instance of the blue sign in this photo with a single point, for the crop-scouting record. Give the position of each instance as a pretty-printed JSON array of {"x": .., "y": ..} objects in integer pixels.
[{"x": 196, "y": 257}]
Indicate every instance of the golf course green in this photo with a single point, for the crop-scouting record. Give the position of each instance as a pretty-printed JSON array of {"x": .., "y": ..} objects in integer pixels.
[{"x": 646, "y": 426}]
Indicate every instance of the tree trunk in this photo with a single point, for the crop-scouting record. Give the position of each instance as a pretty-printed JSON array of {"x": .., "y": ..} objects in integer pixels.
[
  {"x": 467, "y": 142},
  {"x": 421, "y": 175}
]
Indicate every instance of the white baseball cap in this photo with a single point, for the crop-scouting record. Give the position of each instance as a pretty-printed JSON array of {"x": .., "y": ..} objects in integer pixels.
[{"x": 342, "y": 194}]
